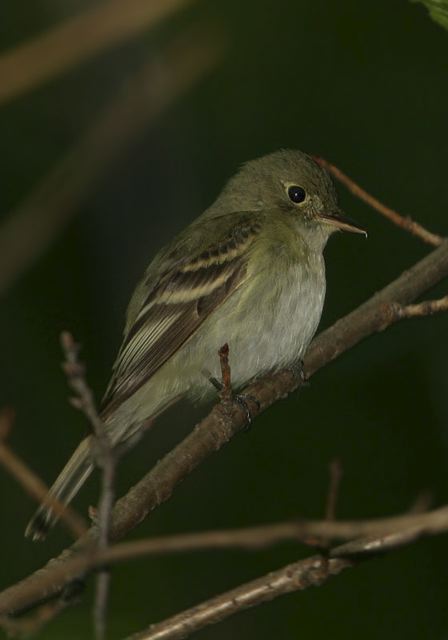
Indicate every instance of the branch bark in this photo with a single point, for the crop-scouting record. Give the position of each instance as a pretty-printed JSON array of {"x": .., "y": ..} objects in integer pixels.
[
  {"x": 405, "y": 222},
  {"x": 298, "y": 576},
  {"x": 105, "y": 459},
  {"x": 223, "y": 423}
]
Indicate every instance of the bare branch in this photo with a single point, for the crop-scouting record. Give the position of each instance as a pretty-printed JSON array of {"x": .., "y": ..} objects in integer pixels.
[
  {"x": 220, "y": 426},
  {"x": 426, "y": 308},
  {"x": 298, "y": 576},
  {"x": 62, "y": 47},
  {"x": 249, "y": 538},
  {"x": 32, "y": 484},
  {"x": 84, "y": 401},
  {"x": 405, "y": 223},
  {"x": 104, "y": 456},
  {"x": 30, "y": 228}
]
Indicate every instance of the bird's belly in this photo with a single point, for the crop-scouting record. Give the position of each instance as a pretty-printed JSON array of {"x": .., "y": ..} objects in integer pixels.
[{"x": 266, "y": 327}]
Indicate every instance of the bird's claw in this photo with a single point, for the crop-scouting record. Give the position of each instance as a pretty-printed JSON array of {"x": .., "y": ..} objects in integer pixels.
[
  {"x": 298, "y": 370},
  {"x": 226, "y": 394},
  {"x": 243, "y": 401}
]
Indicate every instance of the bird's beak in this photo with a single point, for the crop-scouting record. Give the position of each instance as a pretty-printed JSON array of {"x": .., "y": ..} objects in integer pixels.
[{"x": 342, "y": 222}]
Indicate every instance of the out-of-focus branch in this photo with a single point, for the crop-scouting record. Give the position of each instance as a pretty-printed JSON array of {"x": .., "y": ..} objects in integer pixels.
[
  {"x": 30, "y": 625},
  {"x": 36, "y": 222},
  {"x": 225, "y": 422},
  {"x": 311, "y": 572},
  {"x": 401, "y": 221},
  {"x": 333, "y": 490},
  {"x": 77, "y": 39},
  {"x": 31, "y": 483}
]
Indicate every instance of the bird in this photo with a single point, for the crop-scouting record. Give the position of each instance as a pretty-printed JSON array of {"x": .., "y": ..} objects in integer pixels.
[{"x": 249, "y": 272}]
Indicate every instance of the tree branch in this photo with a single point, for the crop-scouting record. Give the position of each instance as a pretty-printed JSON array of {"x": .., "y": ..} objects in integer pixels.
[
  {"x": 248, "y": 538},
  {"x": 32, "y": 484},
  {"x": 405, "y": 223},
  {"x": 105, "y": 459},
  {"x": 222, "y": 424},
  {"x": 298, "y": 576},
  {"x": 426, "y": 308}
]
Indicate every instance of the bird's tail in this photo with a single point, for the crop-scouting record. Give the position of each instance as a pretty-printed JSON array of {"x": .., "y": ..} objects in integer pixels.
[{"x": 67, "y": 485}]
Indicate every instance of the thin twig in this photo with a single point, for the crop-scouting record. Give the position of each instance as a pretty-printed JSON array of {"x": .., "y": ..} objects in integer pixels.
[
  {"x": 35, "y": 223},
  {"x": 226, "y": 379},
  {"x": 32, "y": 484},
  {"x": 401, "y": 221},
  {"x": 83, "y": 399},
  {"x": 333, "y": 489},
  {"x": 77, "y": 39},
  {"x": 426, "y": 308},
  {"x": 298, "y": 576},
  {"x": 220, "y": 426},
  {"x": 105, "y": 459}
]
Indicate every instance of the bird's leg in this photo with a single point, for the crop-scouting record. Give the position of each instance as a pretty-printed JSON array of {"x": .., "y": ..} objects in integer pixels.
[{"x": 224, "y": 387}]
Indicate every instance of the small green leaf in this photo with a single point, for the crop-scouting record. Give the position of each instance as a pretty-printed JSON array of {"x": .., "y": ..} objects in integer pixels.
[{"x": 438, "y": 10}]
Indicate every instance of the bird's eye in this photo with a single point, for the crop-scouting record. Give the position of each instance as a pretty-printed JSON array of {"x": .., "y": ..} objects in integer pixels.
[{"x": 296, "y": 194}]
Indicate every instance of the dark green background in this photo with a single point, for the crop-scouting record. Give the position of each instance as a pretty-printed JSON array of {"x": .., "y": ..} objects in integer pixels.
[{"x": 364, "y": 84}]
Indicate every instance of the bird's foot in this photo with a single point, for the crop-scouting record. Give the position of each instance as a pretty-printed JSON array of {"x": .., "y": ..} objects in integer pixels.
[
  {"x": 297, "y": 368},
  {"x": 227, "y": 395}
]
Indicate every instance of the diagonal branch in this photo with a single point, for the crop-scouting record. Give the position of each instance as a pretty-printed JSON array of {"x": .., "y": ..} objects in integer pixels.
[
  {"x": 32, "y": 484},
  {"x": 222, "y": 424},
  {"x": 33, "y": 225},
  {"x": 77, "y": 39},
  {"x": 396, "y": 218},
  {"x": 298, "y": 576}
]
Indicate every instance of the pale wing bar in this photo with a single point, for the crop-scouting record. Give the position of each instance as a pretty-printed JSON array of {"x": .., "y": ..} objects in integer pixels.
[{"x": 174, "y": 310}]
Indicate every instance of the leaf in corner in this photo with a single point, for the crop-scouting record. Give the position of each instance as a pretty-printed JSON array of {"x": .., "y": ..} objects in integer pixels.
[{"x": 438, "y": 10}]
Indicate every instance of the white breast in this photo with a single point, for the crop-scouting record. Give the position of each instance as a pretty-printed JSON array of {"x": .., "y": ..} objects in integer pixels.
[{"x": 266, "y": 327}]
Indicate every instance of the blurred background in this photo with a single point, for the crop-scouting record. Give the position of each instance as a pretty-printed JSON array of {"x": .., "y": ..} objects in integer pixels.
[{"x": 116, "y": 146}]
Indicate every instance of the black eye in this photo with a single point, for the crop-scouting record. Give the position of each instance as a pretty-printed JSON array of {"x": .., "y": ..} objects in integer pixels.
[{"x": 296, "y": 194}]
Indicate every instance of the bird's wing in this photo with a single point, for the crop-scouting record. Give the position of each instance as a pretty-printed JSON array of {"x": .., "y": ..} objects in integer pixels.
[{"x": 186, "y": 293}]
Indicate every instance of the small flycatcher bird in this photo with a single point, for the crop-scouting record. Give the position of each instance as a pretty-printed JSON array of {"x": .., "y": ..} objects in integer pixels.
[{"x": 248, "y": 272}]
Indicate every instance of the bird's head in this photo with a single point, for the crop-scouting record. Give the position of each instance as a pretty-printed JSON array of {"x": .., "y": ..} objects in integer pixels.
[{"x": 289, "y": 183}]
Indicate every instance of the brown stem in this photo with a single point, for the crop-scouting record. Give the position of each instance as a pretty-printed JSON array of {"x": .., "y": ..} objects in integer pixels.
[
  {"x": 226, "y": 379},
  {"x": 32, "y": 484},
  {"x": 405, "y": 223},
  {"x": 426, "y": 308},
  {"x": 298, "y": 576}
]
